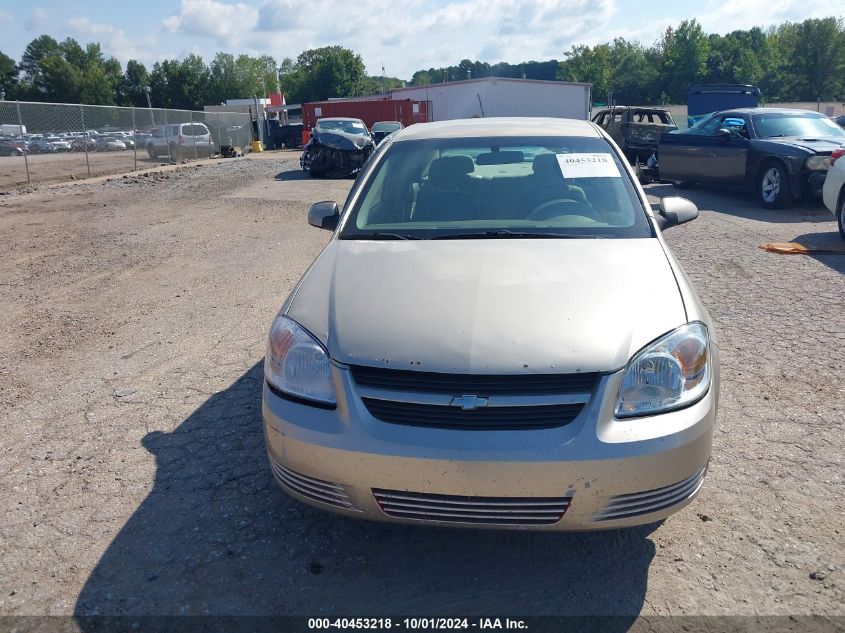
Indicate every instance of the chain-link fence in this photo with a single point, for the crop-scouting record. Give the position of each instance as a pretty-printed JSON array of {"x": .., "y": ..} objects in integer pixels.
[{"x": 48, "y": 142}]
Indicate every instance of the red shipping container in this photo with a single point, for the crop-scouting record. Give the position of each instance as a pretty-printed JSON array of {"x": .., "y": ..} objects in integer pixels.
[{"x": 404, "y": 110}]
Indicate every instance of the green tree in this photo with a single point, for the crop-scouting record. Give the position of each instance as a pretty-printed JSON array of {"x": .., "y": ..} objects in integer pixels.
[
  {"x": 684, "y": 58},
  {"x": 192, "y": 83},
  {"x": 59, "y": 81},
  {"x": 38, "y": 49},
  {"x": 587, "y": 64},
  {"x": 96, "y": 86},
  {"x": 811, "y": 59},
  {"x": 131, "y": 87},
  {"x": 331, "y": 71},
  {"x": 8, "y": 75},
  {"x": 633, "y": 77},
  {"x": 74, "y": 53}
]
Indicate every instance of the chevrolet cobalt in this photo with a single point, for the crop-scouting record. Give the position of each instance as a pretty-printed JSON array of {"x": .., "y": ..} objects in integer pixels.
[{"x": 496, "y": 336}]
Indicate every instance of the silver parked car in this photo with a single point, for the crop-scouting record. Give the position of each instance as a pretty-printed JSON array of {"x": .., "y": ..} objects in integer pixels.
[{"x": 497, "y": 335}]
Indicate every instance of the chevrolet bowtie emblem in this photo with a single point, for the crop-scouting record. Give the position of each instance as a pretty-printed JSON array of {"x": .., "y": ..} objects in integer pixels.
[{"x": 469, "y": 402}]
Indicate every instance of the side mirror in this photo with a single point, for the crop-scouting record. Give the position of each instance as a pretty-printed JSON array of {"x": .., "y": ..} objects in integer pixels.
[
  {"x": 324, "y": 215},
  {"x": 724, "y": 134},
  {"x": 673, "y": 210}
]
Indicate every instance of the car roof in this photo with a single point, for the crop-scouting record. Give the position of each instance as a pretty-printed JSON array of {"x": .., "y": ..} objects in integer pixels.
[
  {"x": 339, "y": 118},
  {"x": 768, "y": 111},
  {"x": 497, "y": 126},
  {"x": 643, "y": 108}
]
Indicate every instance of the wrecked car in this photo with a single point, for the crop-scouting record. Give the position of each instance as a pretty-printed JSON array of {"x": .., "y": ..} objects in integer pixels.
[
  {"x": 338, "y": 147},
  {"x": 636, "y": 132}
]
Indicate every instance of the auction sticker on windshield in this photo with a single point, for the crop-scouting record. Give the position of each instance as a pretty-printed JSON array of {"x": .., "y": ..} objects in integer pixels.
[{"x": 599, "y": 165}]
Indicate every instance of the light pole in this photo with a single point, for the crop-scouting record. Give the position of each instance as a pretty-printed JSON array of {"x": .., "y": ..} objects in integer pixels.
[{"x": 149, "y": 105}]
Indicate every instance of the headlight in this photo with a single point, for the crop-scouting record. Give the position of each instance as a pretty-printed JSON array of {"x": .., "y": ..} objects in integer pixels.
[
  {"x": 671, "y": 373},
  {"x": 297, "y": 364},
  {"x": 817, "y": 163}
]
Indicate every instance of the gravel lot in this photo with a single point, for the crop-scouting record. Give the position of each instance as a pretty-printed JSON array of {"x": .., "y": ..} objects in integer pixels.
[{"x": 132, "y": 467}]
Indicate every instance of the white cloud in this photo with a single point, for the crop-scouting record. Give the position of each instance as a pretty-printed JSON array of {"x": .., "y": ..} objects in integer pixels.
[
  {"x": 724, "y": 17},
  {"x": 114, "y": 40},
  {"x": 281, "y": 15},
  {"x": 36, "y": 19},
  {"x": 6, "y": 17},
  {"x": 408, "y": 35},
  {"x": 403, "y": 35},
  {"x": 225, "y": 22}
]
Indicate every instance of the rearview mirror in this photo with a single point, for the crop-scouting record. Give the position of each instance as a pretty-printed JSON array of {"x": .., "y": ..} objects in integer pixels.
[
  {"x": 724, "y": 133},
  {"x": 673, "y": 210},
  {"x": 324, "y": 215}
]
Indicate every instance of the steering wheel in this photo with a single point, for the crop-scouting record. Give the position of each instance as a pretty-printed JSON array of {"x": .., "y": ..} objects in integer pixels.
[{"x": 561, "y": 206}]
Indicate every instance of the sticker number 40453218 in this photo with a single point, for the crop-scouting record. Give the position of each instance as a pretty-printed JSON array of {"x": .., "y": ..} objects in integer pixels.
[{"x": 598, "y": 165}]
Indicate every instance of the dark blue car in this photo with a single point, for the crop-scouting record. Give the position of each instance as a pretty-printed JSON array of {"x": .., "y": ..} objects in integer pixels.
[{"x": 779, "y": 154}]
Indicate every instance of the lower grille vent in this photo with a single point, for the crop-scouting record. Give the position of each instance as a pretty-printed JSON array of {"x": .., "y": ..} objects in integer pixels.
[
  {"x": 637, "y": 503},
  {"x": 314, "y": 489},
  {"x": 475, "y": 510}
]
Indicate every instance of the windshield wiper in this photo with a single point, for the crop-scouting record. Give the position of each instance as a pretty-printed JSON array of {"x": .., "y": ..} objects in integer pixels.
[
  {"x": 506, "y": 233},
  {"x": 384, "y": 236}
]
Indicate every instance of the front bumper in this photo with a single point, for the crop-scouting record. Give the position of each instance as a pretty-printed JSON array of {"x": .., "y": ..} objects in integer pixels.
[
  {"x": 815, "y": 182},
  {"x": 606, "y": 473}
]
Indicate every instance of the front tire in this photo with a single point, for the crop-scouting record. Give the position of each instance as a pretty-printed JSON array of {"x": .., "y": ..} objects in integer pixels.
[
  {"x": 840, "y": 216},
  {"x": 773, "y": 186}
]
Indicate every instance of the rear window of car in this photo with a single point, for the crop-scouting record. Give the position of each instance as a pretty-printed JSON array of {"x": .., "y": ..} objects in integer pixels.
[
  {"x": 386, "y": 127},
  {"x": 196, "y": 129},
  {"x": 548, "y": 186}
]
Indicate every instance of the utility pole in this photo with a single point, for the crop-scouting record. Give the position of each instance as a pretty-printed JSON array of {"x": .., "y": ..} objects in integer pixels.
[{"x": 149, "y": 105}]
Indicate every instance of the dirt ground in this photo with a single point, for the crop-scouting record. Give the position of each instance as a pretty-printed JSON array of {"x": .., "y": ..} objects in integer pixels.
[
  {"x": 133, "y": 478},
  {"x": 49, "y": 168}
]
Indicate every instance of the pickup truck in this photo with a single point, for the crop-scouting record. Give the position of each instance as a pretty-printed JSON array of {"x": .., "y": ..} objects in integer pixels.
[{"x": 636, "y": 130}]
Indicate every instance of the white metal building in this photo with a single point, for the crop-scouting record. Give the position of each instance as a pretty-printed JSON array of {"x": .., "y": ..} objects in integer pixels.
[{"x": 498, "y": 96}]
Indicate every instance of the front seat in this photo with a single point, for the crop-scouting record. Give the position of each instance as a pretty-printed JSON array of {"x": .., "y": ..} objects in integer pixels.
[
  {"x": 549, "y": 184},
  {"x": 445, "y": 195}
]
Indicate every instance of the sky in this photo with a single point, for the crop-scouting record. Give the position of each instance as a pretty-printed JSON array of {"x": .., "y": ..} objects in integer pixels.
[{"x": 400, "y": 35}]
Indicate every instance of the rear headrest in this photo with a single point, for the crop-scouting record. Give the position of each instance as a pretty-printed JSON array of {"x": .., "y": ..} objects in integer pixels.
[
  {"x": 450, "y": 171},
  {"x": 546, "y": 165},
  {"x": 500, "y": 158}
]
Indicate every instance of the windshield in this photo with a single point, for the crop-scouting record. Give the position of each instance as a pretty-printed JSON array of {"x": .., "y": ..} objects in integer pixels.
[
  {"x": 386, "y": 127},
  {"x": 804, "y": 125},
  {"x": 349, "y": 127},
  {"x": 497, "y": 187}
]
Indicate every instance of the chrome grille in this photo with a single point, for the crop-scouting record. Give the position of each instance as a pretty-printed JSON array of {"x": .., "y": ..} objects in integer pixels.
[
  {"x": 423, "y": 506},
  {"x": 637, "y": 503},
  {"x": 314, "y": 489},
  {"x": 483, "y": 385},
  {"x": 485, "y": 419}
]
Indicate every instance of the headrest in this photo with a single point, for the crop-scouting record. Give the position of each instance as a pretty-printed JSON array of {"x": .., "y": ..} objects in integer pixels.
[
  {"x": 500, "y": 158},
  {"x": 546, "y": 165},
  {"x": 449, "y": 171}
]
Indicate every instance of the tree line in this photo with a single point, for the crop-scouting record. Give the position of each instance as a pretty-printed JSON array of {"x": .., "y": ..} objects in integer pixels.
[
  {"x": 67, "y": 72},
  {"x": 791, "y": 62}
]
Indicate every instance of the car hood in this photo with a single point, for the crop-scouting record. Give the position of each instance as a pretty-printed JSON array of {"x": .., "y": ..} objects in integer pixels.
[
  {"x": 341, "y": 140},
  {"x": 489, "y": 306},
  {"x": 816, "y": 144}
]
